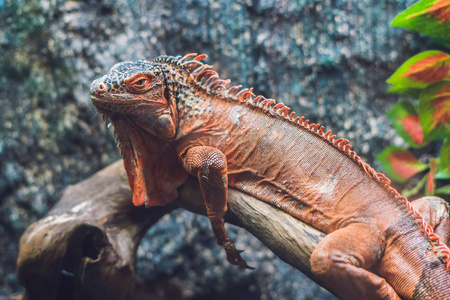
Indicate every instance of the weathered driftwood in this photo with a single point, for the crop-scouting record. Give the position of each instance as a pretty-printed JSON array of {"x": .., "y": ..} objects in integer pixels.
[{"x": 85, "y": 248}]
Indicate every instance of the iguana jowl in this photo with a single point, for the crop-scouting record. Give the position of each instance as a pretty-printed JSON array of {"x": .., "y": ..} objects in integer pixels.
[{"x": 173, "y": 116}]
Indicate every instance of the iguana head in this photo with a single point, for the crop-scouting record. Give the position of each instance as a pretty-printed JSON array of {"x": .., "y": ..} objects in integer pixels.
[
  {"x": 137, "y": 98},
  {"x": 138, "y": 90}
]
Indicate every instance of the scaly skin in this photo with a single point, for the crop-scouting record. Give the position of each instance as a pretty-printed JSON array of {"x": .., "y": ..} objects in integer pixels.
[{"x": 174, "y": 117}]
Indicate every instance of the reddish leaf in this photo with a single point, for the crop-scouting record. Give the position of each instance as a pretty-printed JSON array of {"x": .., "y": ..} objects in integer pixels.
[
  {"x": 440, "y": 10},
  {"x": 403, "y": 164},
  {"x": 430, "y": 69},
  {"x": 442, "y": 107},
  {"x": 429, "y": 17},
  {"x": 434, "y": 111},
  {"x": 420, "y": 71},
  {"x": 399, "y": 163},
  {"x": 405, "y": 120},
  {"x": 412, "y": 126},
  {"x": 431, "y": 181}
]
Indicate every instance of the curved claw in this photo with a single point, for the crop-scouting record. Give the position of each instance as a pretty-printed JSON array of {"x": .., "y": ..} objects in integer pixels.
[{"x": 236, "y": 259}]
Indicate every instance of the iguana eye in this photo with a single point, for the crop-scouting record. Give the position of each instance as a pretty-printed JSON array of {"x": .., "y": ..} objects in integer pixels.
[{"x": 139, "y": 84}]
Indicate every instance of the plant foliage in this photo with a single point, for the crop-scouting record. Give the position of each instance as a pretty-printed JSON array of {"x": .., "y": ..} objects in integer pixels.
[{"x": 426, "y": 77}]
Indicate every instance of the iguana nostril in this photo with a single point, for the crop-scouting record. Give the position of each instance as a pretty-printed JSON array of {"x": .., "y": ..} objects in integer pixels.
[
  {"x": 102, "y": 87},
  {"x": 98, "y": 88}
]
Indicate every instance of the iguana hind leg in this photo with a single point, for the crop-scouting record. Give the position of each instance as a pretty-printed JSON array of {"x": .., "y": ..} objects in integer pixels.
[
  {"x": 435, "y": 211},
  {"x": 342, "y": 259},
  {"x": 210, "y": 166}
]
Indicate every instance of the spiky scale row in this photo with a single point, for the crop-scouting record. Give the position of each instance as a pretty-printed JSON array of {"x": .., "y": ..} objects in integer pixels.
[{"x": 210, "y": 82}]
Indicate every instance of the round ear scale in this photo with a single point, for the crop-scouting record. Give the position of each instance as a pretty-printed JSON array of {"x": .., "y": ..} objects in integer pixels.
[{"x": 165, "y": 126}]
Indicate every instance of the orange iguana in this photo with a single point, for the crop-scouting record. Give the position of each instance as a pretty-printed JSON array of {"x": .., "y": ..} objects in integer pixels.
[{"x": 173, "y": 116}]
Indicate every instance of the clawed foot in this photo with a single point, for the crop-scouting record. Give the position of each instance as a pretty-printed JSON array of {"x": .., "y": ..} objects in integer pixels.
[{"x": 233, "y": 255}]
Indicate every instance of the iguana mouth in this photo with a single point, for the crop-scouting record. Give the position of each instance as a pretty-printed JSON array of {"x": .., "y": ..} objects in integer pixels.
[
  {"x": 110, "y": 98},
  {"x": 110, "y": 101},
  {"x": 113, "y": 104}
]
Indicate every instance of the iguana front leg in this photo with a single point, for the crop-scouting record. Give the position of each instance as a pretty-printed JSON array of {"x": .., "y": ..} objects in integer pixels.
[
  {"x": 210, "y": 166},
  {"x": 341, "y": 261}
]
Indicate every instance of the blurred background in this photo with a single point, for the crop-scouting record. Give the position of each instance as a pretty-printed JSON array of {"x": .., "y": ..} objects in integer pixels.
[{"x": 328, "y": 60}]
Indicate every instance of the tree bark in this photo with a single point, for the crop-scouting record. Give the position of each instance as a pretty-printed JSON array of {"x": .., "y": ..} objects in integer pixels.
[{"x": 85, "y": 248}]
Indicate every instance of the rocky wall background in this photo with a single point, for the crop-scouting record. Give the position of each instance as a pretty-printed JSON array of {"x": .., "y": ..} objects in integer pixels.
[{"x": 328, "y": 60}]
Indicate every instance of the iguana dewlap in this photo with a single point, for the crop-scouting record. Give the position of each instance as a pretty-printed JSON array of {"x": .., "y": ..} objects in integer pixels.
[{"x": 173, "y": 116}]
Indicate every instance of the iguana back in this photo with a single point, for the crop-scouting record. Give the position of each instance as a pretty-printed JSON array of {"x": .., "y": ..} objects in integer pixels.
[
  {"x": 176, "y": 110},
  {"x": 291, "y": 167}
]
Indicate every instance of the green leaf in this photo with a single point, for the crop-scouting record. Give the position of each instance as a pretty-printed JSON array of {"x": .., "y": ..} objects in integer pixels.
[
  {"x": 399, "y": 164},
  {"x": 420, "y": 71},
  {"x": 441, "y": 42},
  {"x": 405, "y": 120},
  {"x": 431, "y": 181},
  {"x": 444, "y": 161},
  {"x": 445, "y": 190},
  {"x": 410, "y": 192},
  {"x": 429, "y": 17},
  {"x": 434, "y": 111}
]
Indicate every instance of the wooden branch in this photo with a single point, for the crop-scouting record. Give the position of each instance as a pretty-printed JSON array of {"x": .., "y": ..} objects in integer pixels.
[
  {"x": 85, "y": 248},
  {"x": 289, "y": 238}
]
